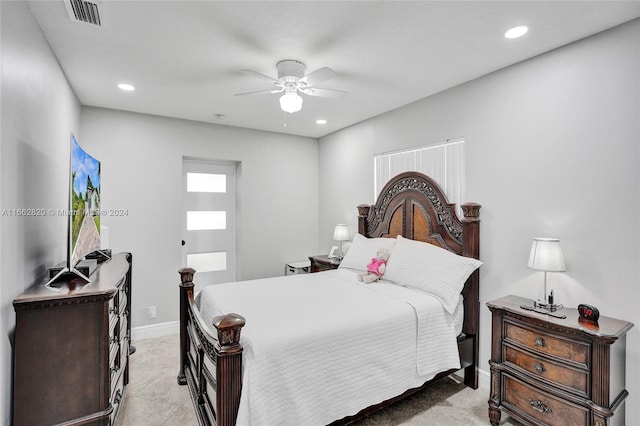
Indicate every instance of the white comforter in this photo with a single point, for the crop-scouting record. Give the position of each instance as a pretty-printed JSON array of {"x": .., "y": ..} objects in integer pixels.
[{"x": 319, "y": 347}]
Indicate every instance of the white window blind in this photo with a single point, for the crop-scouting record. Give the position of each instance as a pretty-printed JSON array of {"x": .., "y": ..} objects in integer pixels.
[{"x": 443, "y": 162}]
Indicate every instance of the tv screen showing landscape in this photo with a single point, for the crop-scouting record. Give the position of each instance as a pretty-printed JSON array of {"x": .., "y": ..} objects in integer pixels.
[{"x": 84, "y": 203}]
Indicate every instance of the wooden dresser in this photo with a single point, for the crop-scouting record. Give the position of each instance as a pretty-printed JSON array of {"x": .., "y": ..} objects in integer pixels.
[
  {"x": 71, "y": 348},
  {"x": 552, "y": 371}
]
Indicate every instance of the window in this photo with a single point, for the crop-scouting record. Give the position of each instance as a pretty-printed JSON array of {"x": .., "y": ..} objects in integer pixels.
[
  {"x": 443, "y": 162},
  {"x": 206, "y": 220},
  {"x": 206, "y": 182},
  {"x": 207, "y": 262}
]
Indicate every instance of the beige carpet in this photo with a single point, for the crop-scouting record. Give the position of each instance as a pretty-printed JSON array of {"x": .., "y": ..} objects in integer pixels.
[{"x": 153, "y": 396}]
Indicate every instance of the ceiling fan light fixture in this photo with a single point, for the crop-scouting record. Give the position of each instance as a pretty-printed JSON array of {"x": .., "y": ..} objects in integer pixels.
[
  {"x": 516, "y": 32},
  {"x": 291, "y": 102},
  {"x": 292, "y": 82},
  {"x": 126, "y": 87}
]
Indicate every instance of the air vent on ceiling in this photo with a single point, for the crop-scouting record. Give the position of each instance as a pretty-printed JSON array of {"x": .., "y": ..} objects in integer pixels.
[{"x": 83, "y": 11}]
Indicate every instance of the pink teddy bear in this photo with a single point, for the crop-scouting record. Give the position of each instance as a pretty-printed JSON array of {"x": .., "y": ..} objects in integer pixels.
[{"x": 376, "y": 268}]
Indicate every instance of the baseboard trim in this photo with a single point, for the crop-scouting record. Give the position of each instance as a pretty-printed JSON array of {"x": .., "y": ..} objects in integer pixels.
[{"x": 155, "y": 330}]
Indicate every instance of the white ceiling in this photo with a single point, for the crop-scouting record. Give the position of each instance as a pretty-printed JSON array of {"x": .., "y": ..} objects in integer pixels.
[{"x": 185, "y": 57}]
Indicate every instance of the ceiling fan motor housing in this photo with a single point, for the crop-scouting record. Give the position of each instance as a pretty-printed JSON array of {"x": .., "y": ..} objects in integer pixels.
[{"x": 290, "y": 71}]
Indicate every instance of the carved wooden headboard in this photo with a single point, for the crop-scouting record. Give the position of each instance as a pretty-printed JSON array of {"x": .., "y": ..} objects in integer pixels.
[{"x": 413, "y": 205}]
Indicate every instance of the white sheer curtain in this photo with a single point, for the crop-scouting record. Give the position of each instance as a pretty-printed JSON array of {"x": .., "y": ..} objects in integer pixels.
[{"x": 443, "y": 162}]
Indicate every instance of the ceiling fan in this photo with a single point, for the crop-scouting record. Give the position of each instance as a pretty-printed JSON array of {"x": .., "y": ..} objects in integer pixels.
[{"x": 292, "y": 81}]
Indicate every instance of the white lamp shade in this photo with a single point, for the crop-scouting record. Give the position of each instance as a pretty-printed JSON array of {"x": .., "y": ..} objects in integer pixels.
[
  {"x": 341, "y": 232},
  {"x": 546, "y": 255},
  {"x": 291, "y": 102}
]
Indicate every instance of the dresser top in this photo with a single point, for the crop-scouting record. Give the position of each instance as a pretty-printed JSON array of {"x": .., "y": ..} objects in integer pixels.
[
  {"x": 606, "y": 328},
  {"x": 103, "y": 283}
]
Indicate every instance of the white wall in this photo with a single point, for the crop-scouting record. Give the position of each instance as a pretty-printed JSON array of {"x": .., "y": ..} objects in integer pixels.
[
  {"x": 38, "y": 112},
  {"x": 141, "y": 159},
  {"x": 552, "y": 150}
]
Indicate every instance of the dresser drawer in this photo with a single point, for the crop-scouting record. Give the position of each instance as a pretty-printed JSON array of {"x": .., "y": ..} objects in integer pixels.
[
  {"x": 117, "y": 393},
  {"x": 576, "y": 352},
  {"x": 114, "y": 357},
  {"x": 529, "y": 402},
  {"x": 124, "y": 327},
  {"x": 114, "y": 314},
  {"x": 114, "y": 329},
  {"x": 123, "y": 302},
  {"x": 572, "y": 379}
]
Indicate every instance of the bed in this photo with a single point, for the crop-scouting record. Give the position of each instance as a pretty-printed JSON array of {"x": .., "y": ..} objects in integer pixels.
[{"x": 324, "y": 348}]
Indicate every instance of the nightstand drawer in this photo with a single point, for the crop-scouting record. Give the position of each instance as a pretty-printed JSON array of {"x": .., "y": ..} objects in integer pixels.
[
  {"x": 319, "y": 267},
  {"x": 526, "y": 401},
  {"x": 572, "y": 379},
  {"x": 323, "y": 263},
  {"x": 573, "y": 351}
]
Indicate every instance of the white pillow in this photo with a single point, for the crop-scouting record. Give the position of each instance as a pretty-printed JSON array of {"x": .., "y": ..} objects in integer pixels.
[
  {"x": 363, "y": 249},
  {"x": 431, "y": 269}
]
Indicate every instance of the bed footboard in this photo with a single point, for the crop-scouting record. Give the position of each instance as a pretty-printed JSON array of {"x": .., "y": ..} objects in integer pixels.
[{"x": 210, "y": 365}]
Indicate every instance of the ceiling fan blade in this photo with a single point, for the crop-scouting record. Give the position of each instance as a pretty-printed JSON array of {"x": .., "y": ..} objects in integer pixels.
[
  {"x": 259, "y": 92},
  {"x": 317, "y": 76},
  {"x": 325, "y": 93},
  {"x": 263, "y": 77}
]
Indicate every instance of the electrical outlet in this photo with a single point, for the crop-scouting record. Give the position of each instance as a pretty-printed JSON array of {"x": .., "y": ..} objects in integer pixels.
[{"x": 151, "y": 312}]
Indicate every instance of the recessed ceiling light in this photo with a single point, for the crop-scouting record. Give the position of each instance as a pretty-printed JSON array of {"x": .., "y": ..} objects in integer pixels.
[
  {"x": 516, "y": 32},
  {"x": 126, "y": 87},
  {"x": 321, "y": 121}
]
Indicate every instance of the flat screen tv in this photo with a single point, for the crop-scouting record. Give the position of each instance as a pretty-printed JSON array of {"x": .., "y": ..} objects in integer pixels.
[{"x": 83, "y": 214}]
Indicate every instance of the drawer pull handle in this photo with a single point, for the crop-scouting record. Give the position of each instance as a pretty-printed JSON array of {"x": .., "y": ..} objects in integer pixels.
[
  {"x": 539, "y": 367},
  {"x": 540, "y": 342},
  {"x": 539, "y": 406}
]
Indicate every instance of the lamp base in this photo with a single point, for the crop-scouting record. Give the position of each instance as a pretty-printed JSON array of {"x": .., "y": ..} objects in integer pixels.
[
  {"x": 547, "y": 306},
  {"x": 544, "y": 311},
  {"x": 539, "y": 308}
]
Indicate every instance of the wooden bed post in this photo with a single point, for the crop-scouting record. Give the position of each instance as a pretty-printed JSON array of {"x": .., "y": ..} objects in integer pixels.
[
  {"x": 186, "y": 292},
  {"x": 363, "y": 213},
  {"x": 228, "y": 367},
  {"x": 471, "y": 248}
]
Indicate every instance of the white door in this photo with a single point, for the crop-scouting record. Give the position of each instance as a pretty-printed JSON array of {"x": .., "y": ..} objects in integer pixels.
[{"x": 209, "y": 237}]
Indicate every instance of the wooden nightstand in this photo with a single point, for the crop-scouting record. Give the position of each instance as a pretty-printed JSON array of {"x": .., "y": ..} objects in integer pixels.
[
  {"x": 322, "y": 262},
  {"x": 552, "y": 371}
]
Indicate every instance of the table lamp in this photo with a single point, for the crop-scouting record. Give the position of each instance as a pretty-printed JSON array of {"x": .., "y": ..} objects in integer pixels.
[
  {"x": 546, "y": 255},
  {"x": 340, "y": 234}
]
